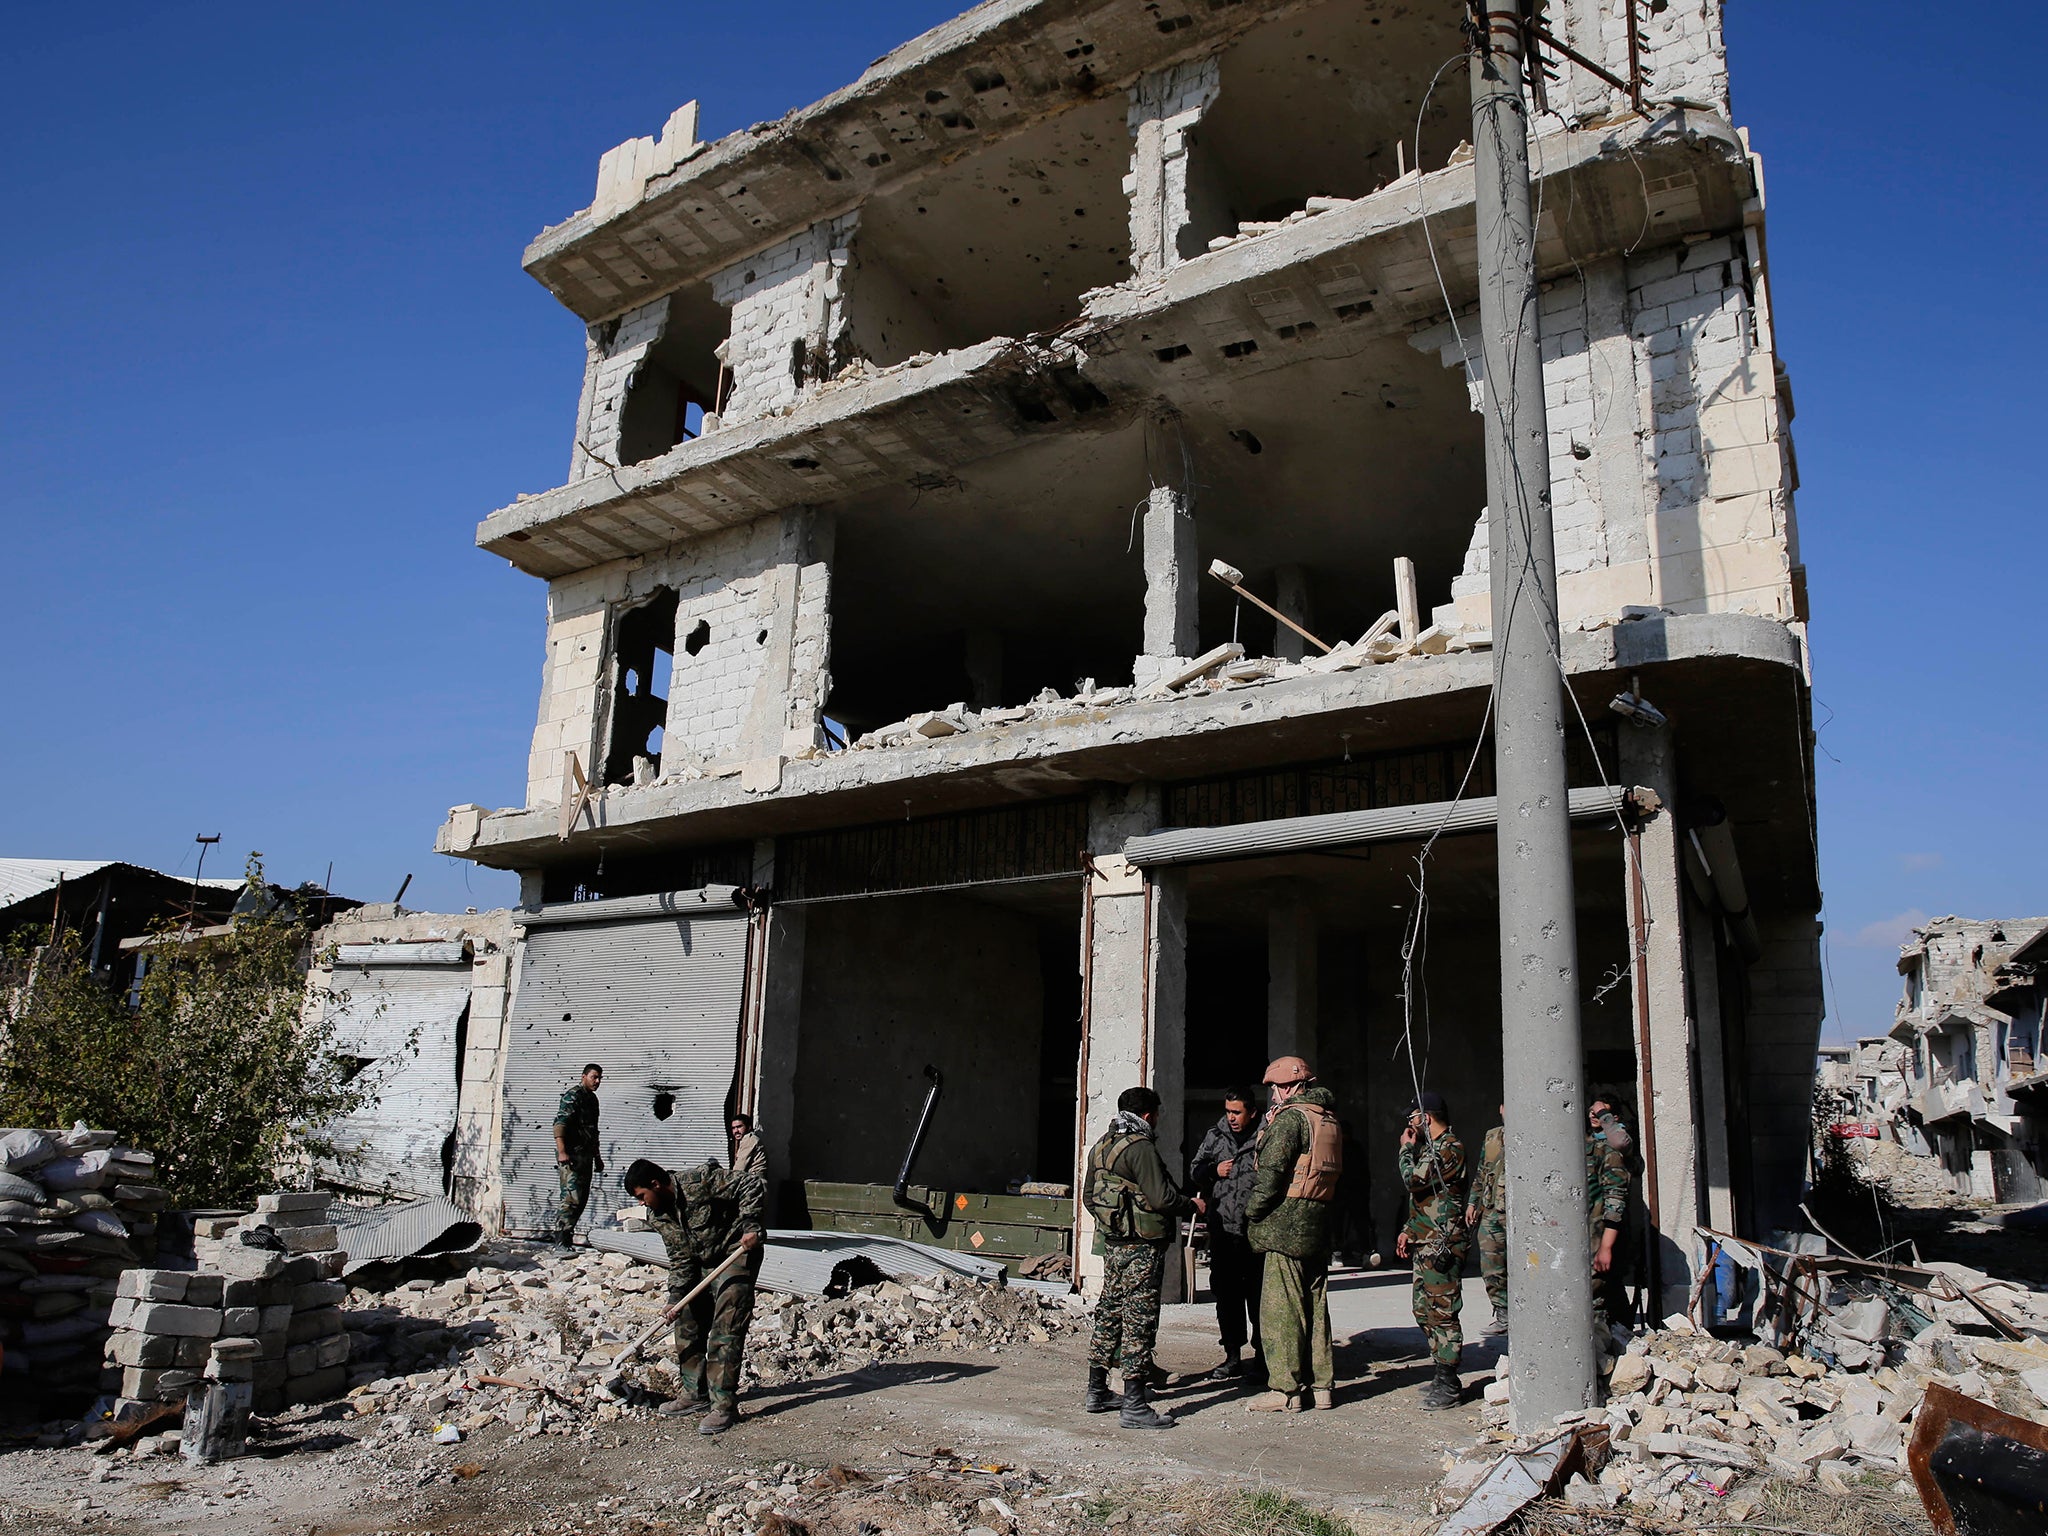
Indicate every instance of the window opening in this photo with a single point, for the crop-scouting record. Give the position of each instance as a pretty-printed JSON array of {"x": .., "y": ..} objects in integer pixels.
[{"x": 643, "y": 655}]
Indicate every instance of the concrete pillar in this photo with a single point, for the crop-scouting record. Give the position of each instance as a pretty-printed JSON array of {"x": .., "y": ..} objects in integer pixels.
[
  {"x": 1166, "y": 194},
  {"x": 530, "y": 886},
  {"x": 1655, "y": 894},
  {"x": 1135, "y": 990},
  {"x": 1171, "y": 575},
  {"x": 778, "y": 990},
  {"x": 1291, "y": 935},
  {"x": 984, "y": 668},
  {"x": 1291, "y": 597},
  {"x": 1717, "y": 1177}
]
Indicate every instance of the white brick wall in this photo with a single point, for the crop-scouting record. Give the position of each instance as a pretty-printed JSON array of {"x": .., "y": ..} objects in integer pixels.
[
  {"x": 756, "y": 687},
  {"x": 786, "y": 294},
  {"x": 1685, "y": 53},
  {"x": 1670, "y": 479},
  {"x": 612, "y": 361}
]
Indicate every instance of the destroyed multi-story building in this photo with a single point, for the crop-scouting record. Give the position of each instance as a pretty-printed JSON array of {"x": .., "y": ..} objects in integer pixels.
[
  {"x": 1970, "y": 1022},
  {"x": 888, "y": 718}
]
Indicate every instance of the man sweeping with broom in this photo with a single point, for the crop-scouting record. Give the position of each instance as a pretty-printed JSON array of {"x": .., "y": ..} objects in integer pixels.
[{"x": 705, "y": 1215}]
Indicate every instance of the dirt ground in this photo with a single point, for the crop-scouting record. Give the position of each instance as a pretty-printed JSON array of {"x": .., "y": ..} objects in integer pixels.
[{"x": 327, "y": 1472}]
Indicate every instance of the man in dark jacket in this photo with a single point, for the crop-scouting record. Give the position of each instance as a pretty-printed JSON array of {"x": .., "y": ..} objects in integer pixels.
[
  {"x": 702, "y": 1214},
  {"x": 1222, "y": 1173},
  {"x": 1294, "y": 1192},
  {"x": 1136, "y": 1206}
]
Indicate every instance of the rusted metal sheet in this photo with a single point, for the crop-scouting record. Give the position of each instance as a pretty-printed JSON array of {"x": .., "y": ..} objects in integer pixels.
[{"x": 1980, "y": 1471}]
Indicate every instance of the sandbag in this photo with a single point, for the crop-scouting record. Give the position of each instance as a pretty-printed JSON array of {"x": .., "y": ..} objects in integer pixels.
[
  {"x": 14, "y": 1187},
  {"x": 23, "y": 1150},
  {"x": 79, "y": 1139},
  {"x": 17, "y": 1210},
  {"x": 88, "y": 1170},
  {"x": 106, "y": 1223}
]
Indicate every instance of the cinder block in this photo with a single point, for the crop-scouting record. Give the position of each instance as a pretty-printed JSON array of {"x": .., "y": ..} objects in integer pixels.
[
  {"x": 319, "y": 1293},
  {"x": 274, "y": 1344},
  {"x": 316, "y": 1324},
  {"x": 246, "y": 1293},
  {"x": 205, "y": 1227},
  {"x": 235, "y": 1369},
  {"x": 153, "y": 1351},
  {"x": 303, "y": 1240},
  {"x": 241, "y": 1320},
  {"x": 238, "y": 1348},
  {"x": 204, "y": 1290},
  {"x": 317, "y": 1385},
  {"x": 333, "y": 1350},
  {"x": 152, "y": 1284},
  {"x": 173, "y": 1318},
  {"x": 269, "y": 1376},
  {"x": 157, "y": 1386},
  {"x": 308, "y": 1200},
  {"x": 275, "y": 1318},
  {"x": 302, "y": 1359}
]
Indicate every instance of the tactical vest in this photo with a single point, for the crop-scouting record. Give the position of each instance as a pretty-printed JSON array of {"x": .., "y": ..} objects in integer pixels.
[
  {"x": 1114, "y": 1201},
  {"x": 1317, "y": 1170}
]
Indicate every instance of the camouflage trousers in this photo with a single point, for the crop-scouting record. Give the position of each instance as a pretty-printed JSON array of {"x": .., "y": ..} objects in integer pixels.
[
  {"x": 1437, "y": 1298},
  {"x": 1294, "y": 1321},
  {"x": 576, "y": 1174},
  {"x": 1606, "y": 1288},
  {"x": 711, "y": 1336},
  {"x": 1127, "y": 1316},
  {"x": 1491, "y": 1237}
]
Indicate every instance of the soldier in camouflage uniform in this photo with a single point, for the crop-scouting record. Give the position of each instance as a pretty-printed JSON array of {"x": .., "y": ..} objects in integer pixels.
[
  {"x": 1136, "y": 1206},
  {"x": 1292, "y": 1208},
  {"x": 1486, "y": 1216},
  {"x": 1433, "y": 1240},
  {"x": 703, "y": 1214},
  {"x": 1607, "y": 1191},
  {"x": 576, "y": 1154}
]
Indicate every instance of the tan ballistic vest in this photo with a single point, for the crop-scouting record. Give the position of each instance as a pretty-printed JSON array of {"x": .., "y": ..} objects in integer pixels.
[{"x": 1316, "y": 1171}]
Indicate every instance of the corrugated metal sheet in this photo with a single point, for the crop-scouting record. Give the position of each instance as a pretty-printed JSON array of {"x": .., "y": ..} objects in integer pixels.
[
  {"x": 373, "y": 1234},
  {"x": 404, "y": 1018},
  {"x": 800, "y": 1261},
  {"x": 1187, "y": 845},
  {"x": 23, "y": 878},
  {"x": 656, "y": 1000},
  {"x": 432, "y": 952}
]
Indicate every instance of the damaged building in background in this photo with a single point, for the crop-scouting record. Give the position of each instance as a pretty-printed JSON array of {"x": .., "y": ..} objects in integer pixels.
[
  {"x": 1970, "y": 1028},
  {"x": 888, "y": 718}
]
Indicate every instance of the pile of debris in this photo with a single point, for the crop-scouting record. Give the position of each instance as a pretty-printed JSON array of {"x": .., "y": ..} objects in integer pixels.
[
  {"x": 1692, "y": 1420},
  {"x": 528, "y": 1334},
  {"x": 265, "y": 1307},
  {"x": 1892, "y": 1170},
  {"x": 76, "y": 1210}
]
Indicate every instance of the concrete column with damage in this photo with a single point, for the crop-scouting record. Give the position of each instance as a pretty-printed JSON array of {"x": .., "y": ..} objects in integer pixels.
[
  {"x": 1135, "y": 991},
  {"x": 1169, "y": 192},
  {"x": 1662, "y": 1008}
]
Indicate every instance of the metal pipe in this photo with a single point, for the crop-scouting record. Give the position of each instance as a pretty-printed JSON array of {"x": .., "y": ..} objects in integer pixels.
[
  {"x": 924, "y": 1123},
  {"x": 1717, "y": 850},
  {"x": 1081, "y": 1068},
  {"x": 1550, "y": 1299}
]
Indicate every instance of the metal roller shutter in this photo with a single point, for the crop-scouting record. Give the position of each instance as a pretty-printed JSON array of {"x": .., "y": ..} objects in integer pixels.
[
  {"x": 400, "y": 1007},
  {"x": 651, "y": 988}
]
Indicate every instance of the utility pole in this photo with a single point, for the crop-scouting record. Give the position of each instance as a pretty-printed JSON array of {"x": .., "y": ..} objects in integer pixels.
[{"x": 1550, "y": 1300}]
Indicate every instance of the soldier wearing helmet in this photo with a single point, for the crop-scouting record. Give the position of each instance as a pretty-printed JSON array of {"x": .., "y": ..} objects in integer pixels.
[{"x": 1291, "y": 1222}]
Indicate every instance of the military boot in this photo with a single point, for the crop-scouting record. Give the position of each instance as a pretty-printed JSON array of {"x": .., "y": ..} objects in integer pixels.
[
  {"x": 721, "y": 1418},
  {"x": 1138, "y": 1412},
  {"x": 1499, "y": 1325},
  {"x": 1231, "y": 1369},
  {"x": 1443, "y": 1390},
  {"x": 1099, "y": 1399}
]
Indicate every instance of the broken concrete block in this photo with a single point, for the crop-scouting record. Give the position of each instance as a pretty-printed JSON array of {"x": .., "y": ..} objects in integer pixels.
[
  {"x": 936, "y": 723},
  {"x": 1698, "y": 1448},
  {"x": 152, "y": 1285},
  {"x": 1631, "y": 1374},
  {"x": 1716, "y": 1377},
  {"x": 1677, "y": 1372},
  {"x": 1433, "y": 641},
  {"x": 205, "y": 1227},
  {"x": 1204, "y": 664},
  {"x": 309, "y": 1239},
  {"x": 153, "y": 1351}
]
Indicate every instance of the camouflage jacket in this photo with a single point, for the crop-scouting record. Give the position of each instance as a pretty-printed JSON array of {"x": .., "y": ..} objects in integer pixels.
[
  {"x": 1606, "y": 1184},
  {"x": 1300, "y": 1229},
  {"x": 714, "y": 1208},
  {"x": 576, "y": 1114},
  {"x": 1434, "y": 1174},
  {"x": 1490, "y": 1179}
]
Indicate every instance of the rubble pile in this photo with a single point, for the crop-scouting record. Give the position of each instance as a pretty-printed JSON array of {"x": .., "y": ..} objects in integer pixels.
[
  {"x": 76, "y": 1211},
  {"x": 529, "y": 1340},
  {"x": 264, "y": 1308},
  {"x": 1892, "y": 1170},
  {"x": 1695, "y": 1420}
]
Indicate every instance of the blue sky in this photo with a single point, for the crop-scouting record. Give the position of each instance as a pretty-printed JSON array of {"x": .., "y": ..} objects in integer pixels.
[{"x": 266, "y": 354}]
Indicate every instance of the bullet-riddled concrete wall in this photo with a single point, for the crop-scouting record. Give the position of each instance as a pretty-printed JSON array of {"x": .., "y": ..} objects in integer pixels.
[
  {"x": 751, "y": 649},
  {"x": 892, "y": 984},
  {"x": 1671, "y": 479}
]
